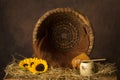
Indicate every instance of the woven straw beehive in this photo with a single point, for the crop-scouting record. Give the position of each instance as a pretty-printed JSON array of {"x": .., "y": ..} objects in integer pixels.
[{"x": 60, "y": 35}]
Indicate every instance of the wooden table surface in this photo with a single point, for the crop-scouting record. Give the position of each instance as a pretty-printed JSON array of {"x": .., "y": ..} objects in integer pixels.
[{"x": 113, "y": 77}]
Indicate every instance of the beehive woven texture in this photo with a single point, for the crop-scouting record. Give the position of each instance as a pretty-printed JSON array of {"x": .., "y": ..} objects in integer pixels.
[{"x": 64, "y": 27}]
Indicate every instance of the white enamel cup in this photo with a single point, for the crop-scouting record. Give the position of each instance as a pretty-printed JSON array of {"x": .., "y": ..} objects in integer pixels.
[{"x": 87, "y": 68}]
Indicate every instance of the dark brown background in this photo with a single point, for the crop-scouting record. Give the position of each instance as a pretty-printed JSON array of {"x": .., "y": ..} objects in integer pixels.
[{"x": 18, "y": 17}]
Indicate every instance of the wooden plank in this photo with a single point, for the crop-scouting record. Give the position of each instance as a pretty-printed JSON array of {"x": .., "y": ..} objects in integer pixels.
[{"x": 100, "y": 78}]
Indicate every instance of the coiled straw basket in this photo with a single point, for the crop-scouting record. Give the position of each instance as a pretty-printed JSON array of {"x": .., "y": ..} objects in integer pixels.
[{"x": 60, "y": 35}]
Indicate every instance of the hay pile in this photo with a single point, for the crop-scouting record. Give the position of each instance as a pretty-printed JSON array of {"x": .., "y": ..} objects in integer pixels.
[{"x": 14, "y": 71}]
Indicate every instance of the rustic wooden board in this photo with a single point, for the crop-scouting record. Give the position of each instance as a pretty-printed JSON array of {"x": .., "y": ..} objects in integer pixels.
[{"x": 100, "y": 78}]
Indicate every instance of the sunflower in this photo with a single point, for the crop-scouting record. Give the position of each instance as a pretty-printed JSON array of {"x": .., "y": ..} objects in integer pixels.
[
  {"x": 24, "y": 63},
  {"x": 34, "y": 65},
  {"x": 39, "y": 66},
  {"x": 27, "y": 62}
]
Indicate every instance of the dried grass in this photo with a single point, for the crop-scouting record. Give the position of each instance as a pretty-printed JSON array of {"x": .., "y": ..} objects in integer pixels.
[{"x": 13, "y": 71}]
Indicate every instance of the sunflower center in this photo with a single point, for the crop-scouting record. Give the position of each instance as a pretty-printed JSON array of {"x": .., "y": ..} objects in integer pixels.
[
  {"x": 40, "y": 67},
  {"x": 25, "y": 65},
  {"x": 31, "y": 63}
]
